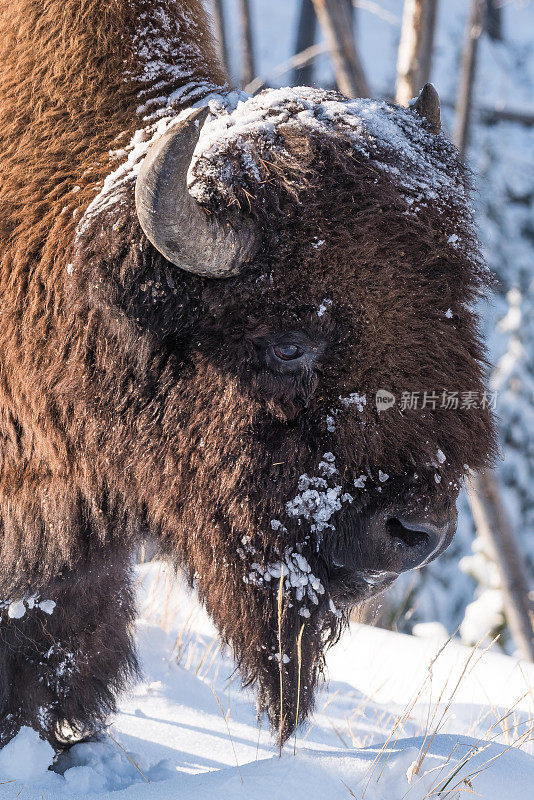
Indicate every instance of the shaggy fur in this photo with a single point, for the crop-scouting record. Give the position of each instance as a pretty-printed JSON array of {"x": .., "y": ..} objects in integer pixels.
[{"x": 135, "y": 398}]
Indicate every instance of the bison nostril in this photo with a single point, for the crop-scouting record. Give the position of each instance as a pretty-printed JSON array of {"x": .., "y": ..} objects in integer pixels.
[
  {"x": 410, "y": 537},
  {"x": 417, "y": 541}
]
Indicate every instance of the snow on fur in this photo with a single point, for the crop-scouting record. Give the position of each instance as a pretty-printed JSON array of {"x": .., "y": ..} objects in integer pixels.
[{"x": 373, "y": 127}]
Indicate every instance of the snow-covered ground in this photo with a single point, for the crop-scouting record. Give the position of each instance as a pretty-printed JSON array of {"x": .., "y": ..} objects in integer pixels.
[{"x": 401, "y": 717}]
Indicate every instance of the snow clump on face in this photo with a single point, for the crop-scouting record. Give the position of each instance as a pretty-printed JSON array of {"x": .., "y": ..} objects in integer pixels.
[
  {"x": 330, "y": 423},
  {"x": 327, "y": 466},
  {"x": 316, "y": 502},
  {"x": 325, "y": 305},
  {"x": 16, "y": 609},
  {"x": 296, "y": 573},
  {"x": 354, "y": 399}
]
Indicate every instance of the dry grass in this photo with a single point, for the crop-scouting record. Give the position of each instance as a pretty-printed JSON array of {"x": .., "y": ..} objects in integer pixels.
[
  {"x": 225, "y": 717},
  {"x": 280, "y": 601},
  {"x": 299, "y": 660},
  {"x": 128, "y": 756},
  {"x": 454, "y": 776},
  {"x": 163, "y": 606},
  {"x": 450, "y": 779}
]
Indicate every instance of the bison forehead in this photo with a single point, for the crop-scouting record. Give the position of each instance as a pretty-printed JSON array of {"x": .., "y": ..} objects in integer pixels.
[{"x": 392, "y": 137}]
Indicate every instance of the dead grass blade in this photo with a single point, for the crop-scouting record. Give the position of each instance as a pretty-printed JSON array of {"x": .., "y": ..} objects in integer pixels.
[
  {"x": 280, "y": 659},
  {"x": 128, "y": 756},
  {"x": 299, "y": 660},
  {"x": 225, "y": 718}
]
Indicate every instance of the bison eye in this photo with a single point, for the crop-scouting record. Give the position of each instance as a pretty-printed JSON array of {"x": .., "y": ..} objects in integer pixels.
[{"x": 287, "y": 352}]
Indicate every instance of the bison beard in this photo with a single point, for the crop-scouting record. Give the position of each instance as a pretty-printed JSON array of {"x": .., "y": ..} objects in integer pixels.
[
  {"x": 281, "y": 685},
  {"x": 138, "y": 399}
]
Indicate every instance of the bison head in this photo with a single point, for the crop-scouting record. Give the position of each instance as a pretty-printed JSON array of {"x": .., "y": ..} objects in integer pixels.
[{"x": 300, "y": 390}]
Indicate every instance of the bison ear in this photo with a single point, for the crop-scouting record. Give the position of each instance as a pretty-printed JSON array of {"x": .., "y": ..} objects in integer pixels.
[{"x": 427, "y": 106}]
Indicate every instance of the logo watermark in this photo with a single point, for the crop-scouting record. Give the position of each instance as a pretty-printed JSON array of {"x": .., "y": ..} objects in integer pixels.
[
  {"x": 384, "y": 399},
  {"x": 448, "y": 400}
]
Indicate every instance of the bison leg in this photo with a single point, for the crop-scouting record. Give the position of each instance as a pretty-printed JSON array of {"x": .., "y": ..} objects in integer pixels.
[{"x": 66, "y": 652}]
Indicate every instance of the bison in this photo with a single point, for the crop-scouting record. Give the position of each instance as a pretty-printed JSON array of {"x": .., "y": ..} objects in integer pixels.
[{"x": 214, "y": 309}]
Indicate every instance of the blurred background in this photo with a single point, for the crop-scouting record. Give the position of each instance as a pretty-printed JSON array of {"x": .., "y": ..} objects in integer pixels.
[{"x": 480, "y": 56}]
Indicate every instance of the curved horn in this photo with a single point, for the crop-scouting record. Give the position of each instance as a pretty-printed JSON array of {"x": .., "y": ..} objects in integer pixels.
[
  {"x": 427, "y": 106},
  {"x": 174, "y": 222}
]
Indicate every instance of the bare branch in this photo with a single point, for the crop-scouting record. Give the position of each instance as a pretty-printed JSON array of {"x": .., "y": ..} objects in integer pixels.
[{"x": 298, "y": 60}]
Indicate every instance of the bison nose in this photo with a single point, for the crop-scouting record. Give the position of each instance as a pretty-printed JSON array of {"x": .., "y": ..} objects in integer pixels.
[{"x": 418, "y": 541}]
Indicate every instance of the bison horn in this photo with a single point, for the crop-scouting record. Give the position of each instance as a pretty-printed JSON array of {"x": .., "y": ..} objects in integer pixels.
[
  {"x": 173, "y": 222},
  {"x": 427, "y": 106}
]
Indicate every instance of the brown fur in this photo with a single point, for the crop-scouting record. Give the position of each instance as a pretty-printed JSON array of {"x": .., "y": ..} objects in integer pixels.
[{"x": 132, "y": 396}]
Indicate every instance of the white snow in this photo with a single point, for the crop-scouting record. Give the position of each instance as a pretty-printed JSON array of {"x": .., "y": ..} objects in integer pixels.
[
  {"x": 296, "y": 573},
  {"x": 26, "y": 757},
  {"x": 326, "y": 303},
  {"x": 16, "y": 610},
  {"x": 317, "y": 502},
  {"x": 327, "y": 467},
  {"x": 354, "y": 399},
  {"x": 153, "y": 50},
  {"x": 402, "y": 716},
  {"x": 487, "y": 608}
]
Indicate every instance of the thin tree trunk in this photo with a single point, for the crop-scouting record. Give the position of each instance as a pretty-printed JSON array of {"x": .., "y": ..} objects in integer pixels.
[
  {"x": 493, "y": 22},
  {"x": 414, "y": 61},
  {"x": 336, "y": 22},
  {"x": 464, "y": 100},
  {"x": 306, "y": 31},
  {"x": 427, "y": 53},
  {"x": 493, "y": 528},
  {"x": 220, "y": 32},
  {"x": 247, "y": 68}
]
